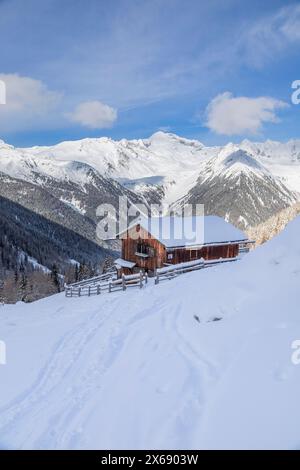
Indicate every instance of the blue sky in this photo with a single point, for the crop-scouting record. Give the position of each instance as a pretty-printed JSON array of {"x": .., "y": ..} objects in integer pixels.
[{"x": 217, "y": 71}]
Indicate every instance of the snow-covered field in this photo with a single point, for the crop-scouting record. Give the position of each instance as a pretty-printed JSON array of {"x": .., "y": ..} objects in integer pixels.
[{"x": 138, "y": 370}]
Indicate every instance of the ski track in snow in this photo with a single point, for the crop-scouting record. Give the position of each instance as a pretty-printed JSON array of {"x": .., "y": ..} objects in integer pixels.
[
  {"x": 48, "y": 384},
  {"x": 94, "y": 344},
  {"x": 199, "y": 371}
]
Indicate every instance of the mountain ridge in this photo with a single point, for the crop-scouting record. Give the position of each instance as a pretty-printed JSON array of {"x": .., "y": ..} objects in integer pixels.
[{"x": 166, "y": 168}]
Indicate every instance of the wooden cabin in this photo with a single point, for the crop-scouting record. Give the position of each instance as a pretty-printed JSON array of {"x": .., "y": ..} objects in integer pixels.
[{"x": 154, "y": 242}]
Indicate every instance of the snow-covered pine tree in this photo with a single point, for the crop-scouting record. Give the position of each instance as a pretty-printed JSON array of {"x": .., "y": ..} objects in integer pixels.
[
  {"x": 2, "y": 298},
  {"x": 108, "y": 264},
  {"x": 55, "y": 278},
  {"x": 23, "y": 286}
]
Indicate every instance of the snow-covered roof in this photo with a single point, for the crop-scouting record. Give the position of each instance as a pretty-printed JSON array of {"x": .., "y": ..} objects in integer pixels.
[
  {"x": 122, "y": 263},
  {"x": 175, "y": 232}
]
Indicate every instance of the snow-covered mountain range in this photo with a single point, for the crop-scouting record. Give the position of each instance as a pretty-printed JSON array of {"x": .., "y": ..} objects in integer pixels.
[{"x": 246, "y": 183}]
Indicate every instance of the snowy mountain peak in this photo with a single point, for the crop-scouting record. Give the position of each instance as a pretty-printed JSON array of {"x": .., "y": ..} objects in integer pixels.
[
  {"x": 4, "y": 145},
  {"x": 171, "y": 138},
  {"x": 275, "y": 151},
  {"x": 240, "y": 160},
  {"x": 233, "y": 161}
]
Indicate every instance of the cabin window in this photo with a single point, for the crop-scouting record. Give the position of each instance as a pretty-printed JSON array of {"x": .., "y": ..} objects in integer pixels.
[
  {"x": 144, "y": 249},
  {"x": 141, "y": 248},
  {"x": 193, "y": 254},
  {"x": 170, "y": 256}
]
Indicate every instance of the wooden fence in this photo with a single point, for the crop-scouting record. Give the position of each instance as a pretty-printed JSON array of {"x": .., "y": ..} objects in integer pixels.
[
  {"x": 95, "y": 286},
  {"x": 215, "y": 262},
  {"x": 108, "y": 282},
  {"x": 169, "y": 272},
  {"x": 93, "y": 280}
]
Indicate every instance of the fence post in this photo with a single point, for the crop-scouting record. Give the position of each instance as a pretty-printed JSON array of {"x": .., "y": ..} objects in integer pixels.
[
  {"x": 109, "y": 287},
  {"x": 79, "y": 291},
  {"x": 98, "y": 290},
  {"x": 123, "y": 282},
  {"x": 141, "y": 279},
  {"x": 156, "y": 277},
  {"x": 146, "y": 278},
  {"x": 89, "y": 291}
]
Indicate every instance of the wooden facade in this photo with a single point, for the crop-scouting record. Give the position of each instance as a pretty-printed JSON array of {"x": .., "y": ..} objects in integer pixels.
[
  {"x": 148, "y": 253},
  {"x": 209, "y": 252},
  {"x": 145, "y": 251}
]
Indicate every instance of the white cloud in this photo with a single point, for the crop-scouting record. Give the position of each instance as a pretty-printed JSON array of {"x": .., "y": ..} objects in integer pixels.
[
  {"x": 271, "y": 36},
  {"x": 94, "y": 115},
  {"x": 31, "y": 105},
  {"x": 2, "y": 92},
  {"x": 242, "y": 115},
  {"x": 28, "y": 102},
  {"x": 290, "y": 25}
]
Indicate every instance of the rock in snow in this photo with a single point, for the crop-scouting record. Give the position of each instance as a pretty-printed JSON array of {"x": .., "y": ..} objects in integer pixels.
[{"x": 136, "y": 370}]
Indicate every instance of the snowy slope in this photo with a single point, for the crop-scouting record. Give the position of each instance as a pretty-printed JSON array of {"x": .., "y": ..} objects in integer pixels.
[
  {"x": 273, "y": 226},
  {"x": 137, "y": 370},
  {"x": 282, "y": 159},
  {"x": 67, "y": 192}
]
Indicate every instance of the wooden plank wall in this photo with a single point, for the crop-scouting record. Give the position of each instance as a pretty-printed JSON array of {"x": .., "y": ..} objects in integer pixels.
[
  {"x": 207, "y": 252},
  {"x": 129, "y": 248},
  {"x": 180, "y": 255}
]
